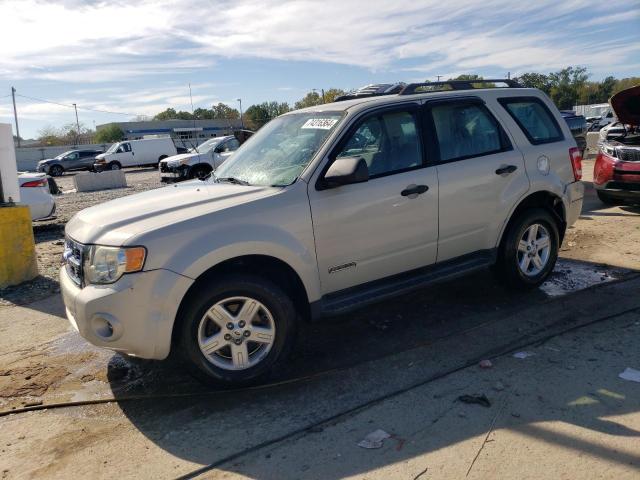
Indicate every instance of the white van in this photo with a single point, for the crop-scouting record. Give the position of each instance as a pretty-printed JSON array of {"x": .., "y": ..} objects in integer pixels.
[{"x": 148, "y": 151}]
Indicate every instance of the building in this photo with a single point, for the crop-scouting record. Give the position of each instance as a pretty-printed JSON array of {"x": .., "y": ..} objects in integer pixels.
[{"x": 183, "y": 132}]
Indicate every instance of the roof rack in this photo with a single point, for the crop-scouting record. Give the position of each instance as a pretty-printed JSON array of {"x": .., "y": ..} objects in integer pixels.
[
  {"x": 458, "y": 85},
  {"x": 373, "y": 90}
]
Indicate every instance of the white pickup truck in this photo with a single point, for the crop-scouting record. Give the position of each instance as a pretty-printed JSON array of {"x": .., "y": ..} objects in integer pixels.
[{"x": 200, "y": 161}]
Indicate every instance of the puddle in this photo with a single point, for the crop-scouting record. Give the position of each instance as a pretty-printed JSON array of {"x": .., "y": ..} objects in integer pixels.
[{"x": 570, "y": 276}]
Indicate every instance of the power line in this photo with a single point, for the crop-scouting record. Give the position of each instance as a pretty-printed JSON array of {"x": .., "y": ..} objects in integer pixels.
[{"x": 79, "y": 108}]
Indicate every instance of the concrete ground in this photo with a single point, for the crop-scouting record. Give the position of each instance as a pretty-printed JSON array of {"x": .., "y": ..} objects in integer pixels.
[{"x": 399, "y": 366}]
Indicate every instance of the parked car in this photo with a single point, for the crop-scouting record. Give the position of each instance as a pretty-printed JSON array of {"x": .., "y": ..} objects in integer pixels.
[
  {"x": 35, "y": 192},
  {"x": 325, "y": 210},
  {"x": 130, "y": 153},
  {"x": 200, "y": 161},
  {"x": 69, "y": 161},
  {"x": 578, "y": 126},
  {"x": 616, "y": 174}
]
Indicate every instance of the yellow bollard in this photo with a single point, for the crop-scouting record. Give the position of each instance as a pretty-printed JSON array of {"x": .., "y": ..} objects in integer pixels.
[{"x": 17, "y": 248}]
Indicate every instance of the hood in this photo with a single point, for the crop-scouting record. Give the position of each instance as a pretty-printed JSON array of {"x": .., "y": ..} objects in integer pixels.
[
  {"x": 114, "y": 222},
  {"x": 47, "y": 160},
  {"x": 626, "y": 105},
  {"x": 190, "y": 157}
]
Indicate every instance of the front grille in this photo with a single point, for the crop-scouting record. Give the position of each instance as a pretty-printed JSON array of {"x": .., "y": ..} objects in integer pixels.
[
  {"x": 73, "y": 257},
  {"x": 628, "y": 155}
]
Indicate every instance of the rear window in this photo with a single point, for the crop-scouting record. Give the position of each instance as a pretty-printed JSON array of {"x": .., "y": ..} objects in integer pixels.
[{"x": 534, "y": 118}]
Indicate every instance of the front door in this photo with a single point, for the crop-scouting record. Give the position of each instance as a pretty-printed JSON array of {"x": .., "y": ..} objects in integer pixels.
[
  {"x": 388, "y": 225},
  {"x": 481, "y": 175}
]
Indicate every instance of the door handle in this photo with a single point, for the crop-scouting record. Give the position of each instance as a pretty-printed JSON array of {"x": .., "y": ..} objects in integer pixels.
[
  {"x": 414, "y": 190},
  {"x": 506, "y": 169}
]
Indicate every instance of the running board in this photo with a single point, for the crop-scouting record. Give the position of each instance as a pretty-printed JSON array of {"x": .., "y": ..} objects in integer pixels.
[{"x": 357, "y": 297}]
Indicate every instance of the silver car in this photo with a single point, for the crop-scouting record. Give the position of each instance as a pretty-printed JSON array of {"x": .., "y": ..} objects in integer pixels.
[{"x": 325, "y": 210}]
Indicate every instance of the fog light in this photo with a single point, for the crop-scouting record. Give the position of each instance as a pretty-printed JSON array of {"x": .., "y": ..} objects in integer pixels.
[{"x": 106, "y": 327}]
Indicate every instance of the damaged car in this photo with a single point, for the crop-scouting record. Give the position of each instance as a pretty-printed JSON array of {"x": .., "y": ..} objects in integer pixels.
[
  {"x": 616, "y": 175},
  {"x": 200, "y": 161}
]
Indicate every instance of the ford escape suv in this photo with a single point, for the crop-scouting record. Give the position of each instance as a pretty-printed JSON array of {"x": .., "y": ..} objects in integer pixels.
[{"x": 322, "y": 211}]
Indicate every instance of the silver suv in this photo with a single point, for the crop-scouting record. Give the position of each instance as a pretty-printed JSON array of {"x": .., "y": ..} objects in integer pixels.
[{"x": 322, "y": 211}]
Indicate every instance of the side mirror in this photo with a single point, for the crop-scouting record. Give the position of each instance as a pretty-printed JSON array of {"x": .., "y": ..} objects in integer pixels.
[{"x": 344, "y": 171}]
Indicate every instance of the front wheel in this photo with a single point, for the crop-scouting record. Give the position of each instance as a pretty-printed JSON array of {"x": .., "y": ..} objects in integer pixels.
[
  {"x": 530, "y": 249},
  {"x": 115, "y": 166},
  {"x": 56, "y": 170},
  {"x": 237, "y": 331}
]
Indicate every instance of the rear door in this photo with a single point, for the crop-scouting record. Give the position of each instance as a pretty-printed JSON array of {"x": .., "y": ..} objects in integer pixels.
[{"x": 481, "y": 175}]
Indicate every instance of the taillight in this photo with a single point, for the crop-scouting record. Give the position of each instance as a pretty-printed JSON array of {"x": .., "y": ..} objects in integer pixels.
[
  {"x": 35, "y": 183},
  {"x": 576, "y": 162}
]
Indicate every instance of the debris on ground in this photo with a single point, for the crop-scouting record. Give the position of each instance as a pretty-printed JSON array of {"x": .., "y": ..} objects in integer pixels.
[
  {"x": 485, "y": 364},
  {"x": 475, "y": 399},
  {"x": 498, "y": 386},
  {"x": 523, "y": 355},
  {"x": 374, "y": 440},
  {"x": 630, "y": 374}
]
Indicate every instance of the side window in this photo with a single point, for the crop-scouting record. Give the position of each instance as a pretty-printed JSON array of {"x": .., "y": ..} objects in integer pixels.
[
  {"x": 466, "y": 130},
  {"x": 72, "y": 156},
  {"x": 126, "y": 147},
  {"x": 534, "y": 118},
  {"x": 231, "y": 146},
  {"x": 388, "y": 142}
]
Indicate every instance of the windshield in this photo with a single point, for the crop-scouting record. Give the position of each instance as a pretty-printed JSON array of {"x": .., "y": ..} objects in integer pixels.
[
  {"x": 206, "y": 147},
  {"x": 62, "y": 155},
  {"x": 280, "y": 150},
  {"x": 113, "y": 148}
]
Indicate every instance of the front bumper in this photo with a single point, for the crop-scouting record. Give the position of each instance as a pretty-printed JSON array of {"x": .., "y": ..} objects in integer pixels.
[
  {"x": 574, "y": 196},
  {"x": 43, "y": 168},
  {"x": 134, "y": 315},
  {"x": 173, "y": 174}
]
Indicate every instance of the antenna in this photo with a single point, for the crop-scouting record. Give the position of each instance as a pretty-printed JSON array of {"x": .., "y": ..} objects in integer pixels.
[{"x": 193, "y": 117}]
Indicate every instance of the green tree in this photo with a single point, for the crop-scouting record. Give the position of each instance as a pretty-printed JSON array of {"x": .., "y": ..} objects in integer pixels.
[
  {"x": 625, "y": 83},
  {"x": 535, "y": 80},
  {"x": 331, "y": 94},
  {"x": 50, "y": 135},
  {"x": 257, "y": 115},
  {"x": 311, "y": 99},
  {"x": 109, "y": 134},
  {"x": 224, "y": 112},
  {"x": 171, "y": 114},
  {"x": 565, "y": 85}
]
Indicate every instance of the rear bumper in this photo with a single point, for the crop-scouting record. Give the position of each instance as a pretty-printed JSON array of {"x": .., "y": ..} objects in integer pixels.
[{"x": 574, "y": 196}]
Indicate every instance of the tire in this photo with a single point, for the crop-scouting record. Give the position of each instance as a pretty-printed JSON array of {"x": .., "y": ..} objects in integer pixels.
[
  {"x": 114, "y": 166},
  {"x": 274, "y": 313},
  {"x": 607, "y": 199},
  {"x": 514, "y": 258},
  {"x": 199, "y": 171},
  {"x": 162, "y": 157},
  {"x": 56, "y": 170}
]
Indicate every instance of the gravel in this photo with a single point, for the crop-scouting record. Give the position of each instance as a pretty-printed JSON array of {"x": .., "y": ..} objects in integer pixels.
[{"x": 49, "y": 234}]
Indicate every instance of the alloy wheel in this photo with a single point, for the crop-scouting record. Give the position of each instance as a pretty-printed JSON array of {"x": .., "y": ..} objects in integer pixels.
[
  {"x": 236, "y": 333},
  {"x": 534, "y": 250}
]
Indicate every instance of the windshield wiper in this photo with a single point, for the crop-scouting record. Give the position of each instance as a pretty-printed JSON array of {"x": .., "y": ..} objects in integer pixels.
[{"x": 233, "y": 180}]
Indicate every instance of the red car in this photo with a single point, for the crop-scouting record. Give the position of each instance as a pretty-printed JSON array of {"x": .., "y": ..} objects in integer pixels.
[{"x": 616, "y": 175}]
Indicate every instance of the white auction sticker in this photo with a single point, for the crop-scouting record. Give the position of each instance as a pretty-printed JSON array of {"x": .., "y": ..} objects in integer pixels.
[{"x": 321, "y": 123}]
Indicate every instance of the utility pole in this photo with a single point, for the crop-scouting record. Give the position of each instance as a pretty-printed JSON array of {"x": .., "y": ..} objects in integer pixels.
[
  {"x": 77, "y": 123},
  {"x": 322, "y": 90},
  {"x": 15, "y": 113},
  {"x": 241, "y": 119},
  {"x": 439, "y": 77}
]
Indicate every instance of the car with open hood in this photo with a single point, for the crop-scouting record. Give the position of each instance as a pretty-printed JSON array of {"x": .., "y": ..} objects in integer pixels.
[
  {"x": 322, "y": 211},
  {"x": 616, "y": 175}
]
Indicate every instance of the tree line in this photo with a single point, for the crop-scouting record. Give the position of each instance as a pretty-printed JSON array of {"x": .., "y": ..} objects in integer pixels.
[{"x": 566, "y": 87}]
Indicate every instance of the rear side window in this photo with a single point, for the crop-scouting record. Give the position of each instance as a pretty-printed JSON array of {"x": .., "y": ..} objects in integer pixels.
[
  {"x": 465, "y": 130},
  {"x": 534, "y": 118}
]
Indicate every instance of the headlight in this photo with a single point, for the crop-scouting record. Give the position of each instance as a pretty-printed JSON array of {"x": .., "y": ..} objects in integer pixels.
[{"x": 108, "y": 264}]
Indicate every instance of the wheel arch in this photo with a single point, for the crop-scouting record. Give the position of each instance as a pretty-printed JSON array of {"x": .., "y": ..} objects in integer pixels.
[
  {"x": 265, "y": 266},
  {"x": 540, "y": 199}
]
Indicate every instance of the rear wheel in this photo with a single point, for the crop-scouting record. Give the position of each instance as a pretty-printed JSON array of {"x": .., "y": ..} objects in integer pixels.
[
  {"x": 607, "y": 199},
  {"x": 530, "y": 249},
  {"x": 56, "y": 170},
  {"x": 237, "y": 331}
]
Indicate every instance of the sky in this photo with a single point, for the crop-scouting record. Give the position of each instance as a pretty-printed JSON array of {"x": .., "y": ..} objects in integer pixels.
[{"x": 139, "y": 57}]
